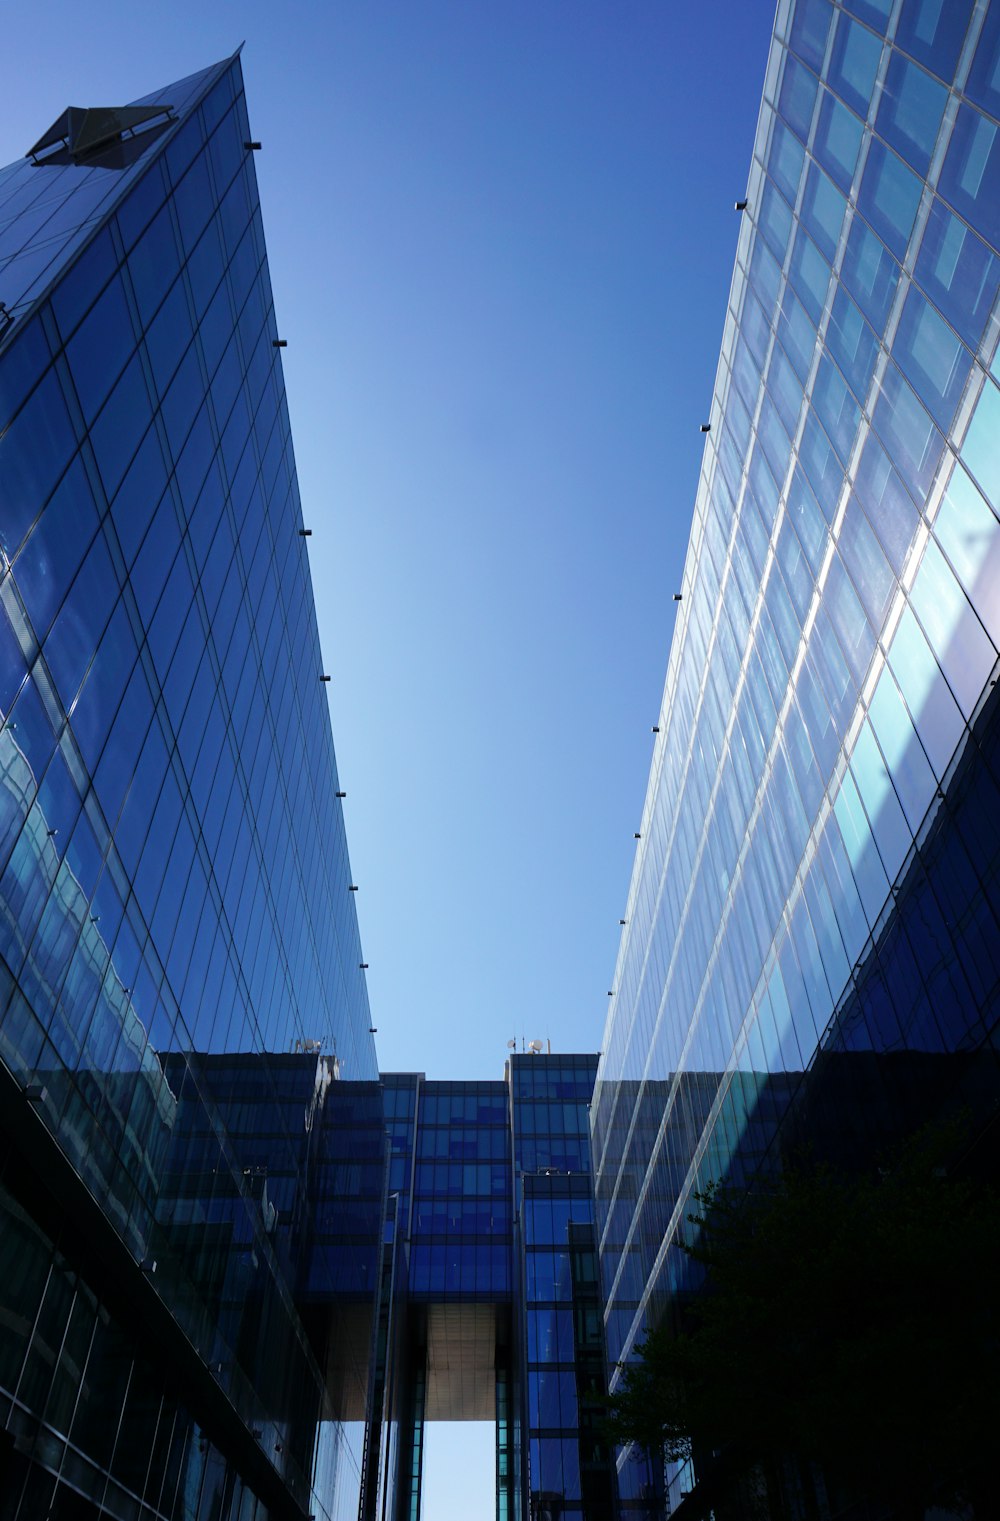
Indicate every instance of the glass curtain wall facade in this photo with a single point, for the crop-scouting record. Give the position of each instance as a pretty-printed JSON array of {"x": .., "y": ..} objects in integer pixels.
[
  {"x": 811, "y": 944},
  {"x": 174, "y": 903},
  {"x": 491, "y": 1302}
]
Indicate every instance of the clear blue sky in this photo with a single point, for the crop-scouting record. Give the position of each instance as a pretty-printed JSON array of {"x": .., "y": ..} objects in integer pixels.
[{"x": 501, "y": 238}]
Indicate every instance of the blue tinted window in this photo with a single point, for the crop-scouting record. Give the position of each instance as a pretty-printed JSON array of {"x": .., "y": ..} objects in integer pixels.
[
  {"x": 765, "y": 275},
  {"x": 908, "y": 433},
  {"x": 869, "y": 273},
  {"x": 875, "y": 12},
  {"x": 786, "y": 389},
  {"x": 153, "y": 265},
  {"x": 854, "y": 64},
  {"x": 835, "y": 407},
  {"x": 194, "y": 201},
  {"x": 77, "y": 290},
  {"x": 822, "y": 468},
  {"x": 138, "y": 495},
  {"x": 852, "y": 343},
  {"x": 118, "y": 431},
  {"x": 74, "y": 635},
  {"x": 958, "y": 272},
  {"x": 823, "y": 208},
  {"x": 168, "y": 336},
  {"x": 22, "y": 364},
  {"x": 983, "y": 84},
  {"x": 55, "y": 548},
  {"x": 34, "y": 451},
  {"x": 910, "y": 111},
  {"x": 98, "y": 351},
  {"x": 838, "y": 139},
  {"x": 798, "y": 95},
  {"x": 889, "y": 507},
  {"x": 785, "y": 160},
  {"x": 797, "y": 334},
  {"x": 810, "y": 28},
  {"x": 933, "y": 32},
  {"x": 889, "y": 197},
  {"x": 970, "y": 178},
  {"x": 810, "y": 275},
  {"x": 931, "y": 356}
]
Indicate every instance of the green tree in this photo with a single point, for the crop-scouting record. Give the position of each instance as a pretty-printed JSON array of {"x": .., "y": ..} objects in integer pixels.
[{"x": 846, "y": 1322}]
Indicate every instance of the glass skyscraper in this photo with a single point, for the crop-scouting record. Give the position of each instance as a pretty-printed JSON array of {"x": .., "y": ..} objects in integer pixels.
[
  {"x": 174, "y": 883},
  {"x": 811, "y": 946}
]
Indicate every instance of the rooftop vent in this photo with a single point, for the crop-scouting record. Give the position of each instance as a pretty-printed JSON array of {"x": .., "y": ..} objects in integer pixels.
[{"x": 103, "y": 136}]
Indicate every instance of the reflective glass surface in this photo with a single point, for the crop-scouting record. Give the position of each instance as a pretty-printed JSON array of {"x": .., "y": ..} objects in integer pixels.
[
  {"x": 174, "y": 903},
  {"x": 810, "y": 930}
]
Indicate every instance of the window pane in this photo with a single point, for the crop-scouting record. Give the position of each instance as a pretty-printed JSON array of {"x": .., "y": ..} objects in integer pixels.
[
  {"x": 970, "y": 178},
  {"x": 854, "y": 64},
  {"x": 958, "y": 272},
  {"x": 797, "y": 97},
  {"x": 983, "y": 84},
  {"x": 838, "y": 138},
  {"x": 889, "y": 197},
  {"x": 910, "y": 111},
  {"x": 931, "y": 357},
  {"x": 933, "y": 32},
  {"x": 869, "y": 273}
]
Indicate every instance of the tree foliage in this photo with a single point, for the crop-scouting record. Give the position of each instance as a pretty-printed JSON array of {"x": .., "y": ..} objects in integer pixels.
[{"x": 849, "y": 1322}]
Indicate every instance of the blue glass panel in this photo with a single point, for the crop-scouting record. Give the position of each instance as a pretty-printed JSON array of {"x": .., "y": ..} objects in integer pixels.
[
  {"x": 852, "y": 343},
  {"x": 933, "y": 31},
  {"x": 873, "y": 579},
  {"x": 910, "y": 111},
  {"x": 838, "y": 140},
  {"x": 836, "y": 408},
  {"x": 875, "y": 12},
  {"x": 820, "y": 463},
  {"x": 785, "y": 389},
  {"x": 54, "y": 549},
  {"x": 194, "y": 201},
  {"x": 797, "y": 334},
  {"x": 970, "y": 177},
  {"x": 810, "y": 29},
  {"x": 889, "y": 507},
  {"x": 76, "y": 292},
  {"x": 823, "y": 208},
  {"x": 959, "y": 273},
  {"x": 809, "y": 273},
  {"x": 34, "y": 451},
  {"x": 969, "y": 534},
  {"x": 931, "y": 357},
  {"x": 153, "y": 265},
  {"x": 138, "y": 495},
  {"x": 805, "y": 514},
  {"x": 854, "y": 64},
  {"x": 889, "y": 197},
  {"x": 765, "y": 274},
  {"x": 910, "y": 437},
  {"x": 118, "y": 431},
  {"x": 979, "y": 450},
  {"x": 775, "y": 221},
  {"x": 22, "y": 364},
  {"x": 983, "y": 83},
  {"x": 785, "y": 161},
  {"x": 870, "y": 273},
  {"x": 98, "y": 351},
  {"x": 798, "y": 96}
]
